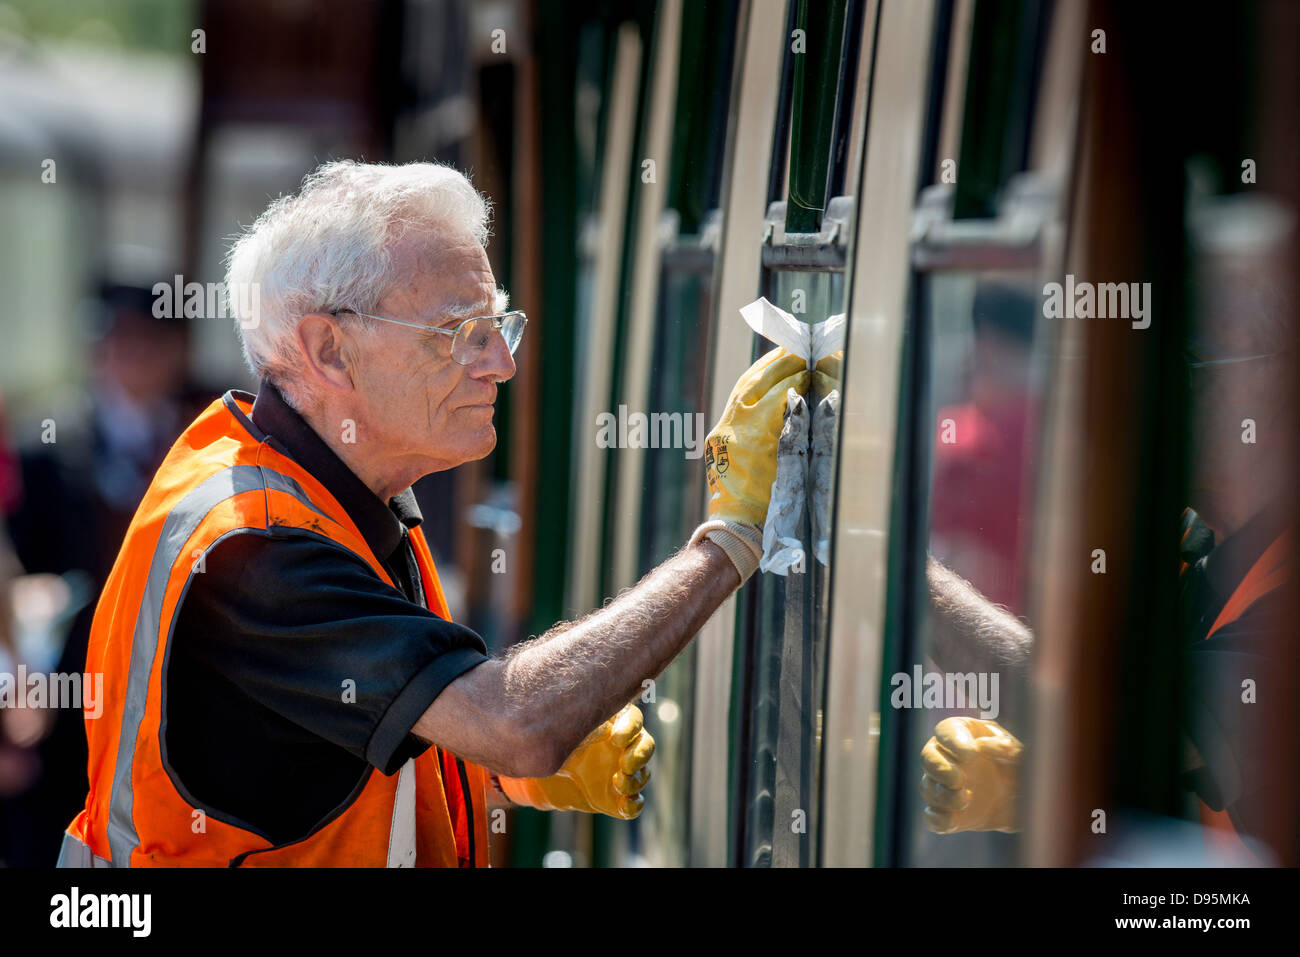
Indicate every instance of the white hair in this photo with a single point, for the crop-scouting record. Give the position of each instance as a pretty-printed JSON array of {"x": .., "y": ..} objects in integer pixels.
[{"x": 330, "y": 247}]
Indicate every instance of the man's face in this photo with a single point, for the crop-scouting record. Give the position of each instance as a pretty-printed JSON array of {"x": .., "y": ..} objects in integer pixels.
[{"x": 417, "y": 402}]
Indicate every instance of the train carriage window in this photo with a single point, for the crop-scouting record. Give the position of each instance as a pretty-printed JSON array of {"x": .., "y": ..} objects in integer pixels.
[
  {"x": 782, "y": 619},
  {"x": 970, "y": 417},
  {"x": 671, "y": 497},
  {"x": 983, "y": 400},
  {"x": 688, "y": 233}
]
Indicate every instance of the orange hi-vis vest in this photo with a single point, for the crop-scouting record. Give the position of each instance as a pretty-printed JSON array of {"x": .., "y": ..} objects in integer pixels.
[
  {"x": 1270, "y": 571},
  {"x": 223, "y": 477}
]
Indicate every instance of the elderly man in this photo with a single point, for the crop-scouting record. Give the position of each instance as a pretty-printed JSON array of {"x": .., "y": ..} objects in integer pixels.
[{"x": 273, "y": 631}]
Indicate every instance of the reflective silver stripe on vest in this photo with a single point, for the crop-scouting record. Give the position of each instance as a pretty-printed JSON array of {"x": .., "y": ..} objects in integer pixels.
[
  {"x": 77, "y": 853},
  {"x": 284, "y": 483},
  {"x": 401, "y": 836},
  {"x": 181, "y": 522}
]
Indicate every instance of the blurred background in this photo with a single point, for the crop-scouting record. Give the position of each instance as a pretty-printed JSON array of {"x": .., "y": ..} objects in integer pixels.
[{"x": 925, "y": 167}]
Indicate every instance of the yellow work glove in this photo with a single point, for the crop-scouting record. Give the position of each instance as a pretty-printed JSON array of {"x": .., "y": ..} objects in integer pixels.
[
  {"x": 740, "y": 452},
  {"x": 740, "y": 456},
  {"x": 971, "y": 777},
  {"x": 603, "y": 775}
]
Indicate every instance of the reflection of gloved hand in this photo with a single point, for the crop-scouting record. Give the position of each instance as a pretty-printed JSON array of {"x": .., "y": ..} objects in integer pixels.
[
  {"x": 971, "y": 779},
  {"x": 827, "y": 375},
  {"x": 740, "y": 456},
  {"x": 825, "y": 400},
  {"x": 603, "y": 775}
]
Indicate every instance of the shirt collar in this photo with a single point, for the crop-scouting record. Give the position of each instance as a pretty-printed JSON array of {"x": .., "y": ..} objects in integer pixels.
[
  {"x": 381, "y": 525},
  {"x": 1231, "y": 559},
  {"x": 1216, "y": 570}
]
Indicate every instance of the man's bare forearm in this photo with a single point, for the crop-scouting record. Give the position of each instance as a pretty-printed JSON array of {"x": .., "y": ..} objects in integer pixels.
[
  {"x": 592, "y": 668},
  {"x": 967, "y": 631},
  {"x": 528, "y": 710}
]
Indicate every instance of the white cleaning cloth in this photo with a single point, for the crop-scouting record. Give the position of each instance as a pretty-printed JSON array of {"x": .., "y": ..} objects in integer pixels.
[
  {"x": 821, "y": 472},
  {"x": 812, "y": 342},
  {"x": 782, "y": 541},
  {"x": 783, "y": 532}
]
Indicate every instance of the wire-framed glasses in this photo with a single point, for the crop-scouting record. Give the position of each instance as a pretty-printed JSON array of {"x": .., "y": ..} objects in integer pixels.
[{"x": 471, "y": 337}]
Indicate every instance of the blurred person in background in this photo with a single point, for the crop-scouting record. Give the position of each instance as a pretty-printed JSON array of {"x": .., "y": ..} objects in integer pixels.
[
  {"x": 78, "y": 488},
  {"x": 21, "y": 729},
  {"x": 81, "y": 489},
  {"x": 980, "y": 479},
  {"x": 976, "y": 573},
  {"x": 19, "y": 767}
]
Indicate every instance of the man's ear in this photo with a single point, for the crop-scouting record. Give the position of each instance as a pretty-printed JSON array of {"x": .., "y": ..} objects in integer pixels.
[{"x": 322, "y": 343}]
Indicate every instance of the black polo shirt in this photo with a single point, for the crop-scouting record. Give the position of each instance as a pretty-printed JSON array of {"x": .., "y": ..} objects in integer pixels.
[{"x": 293, "y": 668}]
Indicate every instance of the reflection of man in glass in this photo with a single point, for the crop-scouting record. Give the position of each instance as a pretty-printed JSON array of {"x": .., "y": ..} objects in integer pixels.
[
  {"x": 979, "y": 494},
  {"x": 979, "y": 503},
  {"x": 1236, "y": 549}
]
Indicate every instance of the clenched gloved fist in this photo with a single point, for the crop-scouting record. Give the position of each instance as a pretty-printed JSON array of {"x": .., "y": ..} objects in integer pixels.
[
  {"x": 971, "y": 779},
  {"x": 603, "y": 775},
  {"x": 740, "y": 456}
]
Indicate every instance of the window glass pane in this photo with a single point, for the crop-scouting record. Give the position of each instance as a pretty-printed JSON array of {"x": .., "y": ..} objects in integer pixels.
[
  {"x": 672, "y": 502},
  {"x": 673, "y": 499},
  {"x": 1005, "y": 52},
  {"x": 781, "y": 622},
  {"x": 672, "y": 493},
  {"x": 782, "y": 630},
  {"x": 817, "y": 71},
  {"x": 982, "y": 403}
]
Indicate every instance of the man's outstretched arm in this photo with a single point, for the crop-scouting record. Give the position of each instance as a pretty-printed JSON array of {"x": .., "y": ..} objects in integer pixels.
[
  {"x": 522, "y": 714},
  {"x": 967, "y": 631}
]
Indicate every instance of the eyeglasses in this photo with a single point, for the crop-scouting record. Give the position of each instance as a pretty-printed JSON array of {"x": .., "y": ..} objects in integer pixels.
[{"x": 471, "y": 337}]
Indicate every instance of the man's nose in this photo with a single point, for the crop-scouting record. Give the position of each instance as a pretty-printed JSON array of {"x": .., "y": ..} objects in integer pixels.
[{"x": 495, "y": 361}]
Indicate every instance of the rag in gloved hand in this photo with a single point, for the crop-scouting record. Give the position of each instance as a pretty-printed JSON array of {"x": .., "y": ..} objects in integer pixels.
[{"x": 806, "y": 450}]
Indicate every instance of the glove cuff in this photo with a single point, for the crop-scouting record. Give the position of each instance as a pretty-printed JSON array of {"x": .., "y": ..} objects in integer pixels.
[
  {"x": 517, "y": 791},
  {"x": 743, "y": 544}
]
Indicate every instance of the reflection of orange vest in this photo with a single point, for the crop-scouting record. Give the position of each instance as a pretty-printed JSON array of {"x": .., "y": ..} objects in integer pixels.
[
  {"x": 1270, "y": 571},
  {"x": 221, "y": 477}
]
